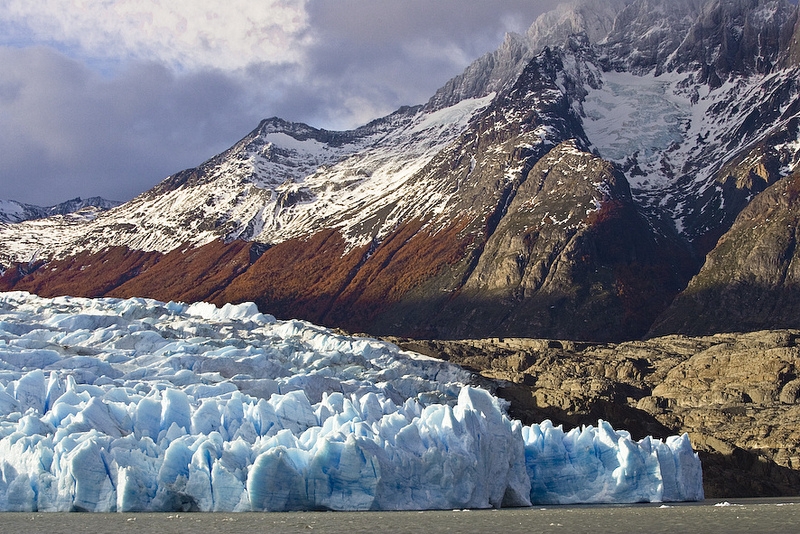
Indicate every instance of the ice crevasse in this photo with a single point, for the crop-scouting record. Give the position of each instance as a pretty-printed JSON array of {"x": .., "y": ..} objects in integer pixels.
[{"x": 139, "y": 405}]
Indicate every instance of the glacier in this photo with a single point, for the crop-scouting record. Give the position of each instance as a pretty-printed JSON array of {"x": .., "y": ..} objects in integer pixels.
[{"x": 138, "y": 405}]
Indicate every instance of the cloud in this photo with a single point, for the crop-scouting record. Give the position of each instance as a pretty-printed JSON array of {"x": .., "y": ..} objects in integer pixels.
[
  {"x": 471, "y": 24},
  {"x": 185, "y": 34},
  {"x": 68, "y": 131},
  {"x": 107, "y": 98},
  {"x": 371, "y": 56}
]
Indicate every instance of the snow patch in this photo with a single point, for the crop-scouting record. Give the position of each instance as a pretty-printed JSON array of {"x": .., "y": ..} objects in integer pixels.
[
  {"x": 307, "y": 146},
  {"x": 456, "y": 115}
]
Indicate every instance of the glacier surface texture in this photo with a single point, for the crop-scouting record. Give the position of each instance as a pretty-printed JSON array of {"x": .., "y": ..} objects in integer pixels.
[{"x": 138, "y": 405}]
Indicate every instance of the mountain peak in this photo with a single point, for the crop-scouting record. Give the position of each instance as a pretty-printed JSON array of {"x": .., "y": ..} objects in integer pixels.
[
  {"x": 736, "y": 38},
  {"x": 488, "y": 74},
  {"x": 595, "y": 19}
]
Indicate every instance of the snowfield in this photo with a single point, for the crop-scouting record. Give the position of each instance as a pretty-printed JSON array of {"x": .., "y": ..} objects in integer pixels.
[{"x": 138, "y": 405}]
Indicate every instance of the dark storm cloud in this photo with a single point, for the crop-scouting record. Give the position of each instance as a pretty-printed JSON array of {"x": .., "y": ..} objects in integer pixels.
[
  {"x": 67, "y": 131},
  {"x": 472, "y": 25},
  {"x": 69, "y": 128}
]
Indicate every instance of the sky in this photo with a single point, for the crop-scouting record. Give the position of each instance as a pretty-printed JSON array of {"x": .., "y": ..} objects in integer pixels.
[{"x": 109, "y": 97}]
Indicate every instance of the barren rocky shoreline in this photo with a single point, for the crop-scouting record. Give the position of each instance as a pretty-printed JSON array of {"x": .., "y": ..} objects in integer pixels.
[{"x": 736, "y": 395}]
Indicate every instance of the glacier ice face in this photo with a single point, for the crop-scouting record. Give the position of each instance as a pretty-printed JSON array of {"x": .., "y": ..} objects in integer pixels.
[
  {"x": 138, "y": 405},
  {"x": 599, "y": 465}
]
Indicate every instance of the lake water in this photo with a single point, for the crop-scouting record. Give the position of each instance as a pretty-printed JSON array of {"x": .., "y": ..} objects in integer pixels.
[{"x": 737, "y": 515}]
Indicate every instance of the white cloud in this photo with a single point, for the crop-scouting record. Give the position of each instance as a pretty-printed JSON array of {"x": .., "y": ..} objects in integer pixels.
[{"x": 185, "y": 34}]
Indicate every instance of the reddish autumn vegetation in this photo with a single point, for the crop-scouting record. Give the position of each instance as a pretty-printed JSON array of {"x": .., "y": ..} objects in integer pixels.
[
  {"x": 86, "y": 274},
  {"x": 11, "y": 277},
  {"x": 375, "y": 287},
  {"x": 609, "y": 210},
  {"x": 298, "y": 278},
  {"x": 792, "y": 188},
  {"x": 316, "y": 278},
  {"x": 189, "y": 274},
  {"x": 404, "y": 261},
  {"x": 319, "y": 280},
  {"x": 186, "y": 274}
]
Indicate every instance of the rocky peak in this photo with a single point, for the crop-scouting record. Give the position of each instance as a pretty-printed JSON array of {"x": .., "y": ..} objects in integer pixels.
[
  {"x": 498, "y": 70},
  {"x": 736, "y": 38},
  {"x": 792, "y": 58},
  {"x": 571, "y": 256},
  {"x": 646, "y": 32},
  {"x": 595, "y": 19},
  {"x": 15, "y": 212},
  {"x": 522, "y": 124},
  {"x": 490, "y": 73}
]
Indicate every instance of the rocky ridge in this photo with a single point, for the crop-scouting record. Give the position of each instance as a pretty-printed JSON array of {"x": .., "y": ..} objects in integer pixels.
[
  {"x": 752, "y": 277},
  {"x": 12, "y": 211}
]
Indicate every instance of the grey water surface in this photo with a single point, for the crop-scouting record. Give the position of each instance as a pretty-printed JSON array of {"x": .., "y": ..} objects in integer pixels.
[{"x": 735, "y": 515}]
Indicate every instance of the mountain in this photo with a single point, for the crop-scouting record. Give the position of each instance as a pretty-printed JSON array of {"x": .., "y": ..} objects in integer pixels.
[
  {"x": 570, "y": 184},
  {"x": 12, "y": 211},
  {"x": 752, "y": 277}
]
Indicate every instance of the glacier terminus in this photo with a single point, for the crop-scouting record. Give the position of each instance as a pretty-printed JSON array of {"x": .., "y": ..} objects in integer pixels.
[{"x": 139, "y": 405}]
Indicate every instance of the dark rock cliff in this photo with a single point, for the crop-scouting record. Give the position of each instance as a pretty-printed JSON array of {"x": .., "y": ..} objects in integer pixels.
[{"x": 751, "y": 279}]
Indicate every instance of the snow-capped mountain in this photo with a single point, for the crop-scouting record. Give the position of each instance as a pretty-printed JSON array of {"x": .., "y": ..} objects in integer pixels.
[
  {"x": 568, "y": 184},
  {"x": 12, "y": 211},
  {"x": 283, "y": 180}
]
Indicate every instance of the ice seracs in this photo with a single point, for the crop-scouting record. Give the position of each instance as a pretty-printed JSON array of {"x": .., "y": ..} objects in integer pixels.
[
  {"x": 134, "y": 405},
  {"x": 600, "y": 465}
]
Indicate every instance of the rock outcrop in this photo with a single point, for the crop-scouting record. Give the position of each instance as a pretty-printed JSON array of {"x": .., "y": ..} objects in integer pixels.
[
  {"x": 571, "y": 254},
  {"x": 736, "y": 395}
]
